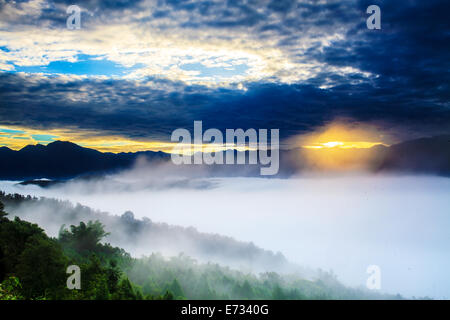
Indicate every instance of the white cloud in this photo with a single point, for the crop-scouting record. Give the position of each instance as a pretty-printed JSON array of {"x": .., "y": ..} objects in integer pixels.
[{"x": 160, "y": 47}]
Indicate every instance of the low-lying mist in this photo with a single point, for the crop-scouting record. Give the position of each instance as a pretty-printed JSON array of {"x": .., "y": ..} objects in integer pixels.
[{"x": 339, "y": 223}]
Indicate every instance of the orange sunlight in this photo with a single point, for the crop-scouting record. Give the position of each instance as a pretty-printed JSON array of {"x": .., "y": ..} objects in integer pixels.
[{"x": 340, "y": 146}]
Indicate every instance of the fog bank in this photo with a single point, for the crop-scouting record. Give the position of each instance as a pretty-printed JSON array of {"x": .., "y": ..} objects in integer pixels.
[{"x": 343, "y": 223}]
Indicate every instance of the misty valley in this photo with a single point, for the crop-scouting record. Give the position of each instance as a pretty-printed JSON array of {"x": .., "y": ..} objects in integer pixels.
[
  {"x": 196, "y": 237},
  {"x": 110, "y": 272}
]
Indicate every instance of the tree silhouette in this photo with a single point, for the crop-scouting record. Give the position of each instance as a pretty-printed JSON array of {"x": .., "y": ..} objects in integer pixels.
[
  {"x": 83, "y": 238},
  {"x": 2, "y": 212}
]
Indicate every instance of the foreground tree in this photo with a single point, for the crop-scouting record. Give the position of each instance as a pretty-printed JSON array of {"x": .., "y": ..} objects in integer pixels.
[{"x": 27, "y": 253}]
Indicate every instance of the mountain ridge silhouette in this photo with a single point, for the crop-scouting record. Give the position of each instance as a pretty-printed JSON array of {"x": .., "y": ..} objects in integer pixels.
[{"x": 66, "y": 160}]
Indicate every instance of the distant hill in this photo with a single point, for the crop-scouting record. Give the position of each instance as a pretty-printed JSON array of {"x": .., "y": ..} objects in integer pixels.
[
  {"x": 425, "y": 155},
  {"x": 64, "y": 160}
]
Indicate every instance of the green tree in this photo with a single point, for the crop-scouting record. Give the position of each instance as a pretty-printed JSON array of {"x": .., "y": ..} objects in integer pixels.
[
  {"x": 37, "y": 260},
  {"x": 10, "y": 289},
  {"x": 125, "y": 290},
  {"x": 41, "y": 268},
  {"x": 151, "y": 288},
  {"x": 83, "y": 238},
  {"x": 113, "y": 275},
  {"x": 278, "y": 293},
  {"x": 168, "y": 296},
  {"x": 176, "y": 289},
  {"x": 246, "y": 290},
  {"x": 14, "y": 236}
]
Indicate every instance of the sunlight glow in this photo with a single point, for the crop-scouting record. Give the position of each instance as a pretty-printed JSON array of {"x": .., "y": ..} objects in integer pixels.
[
  {"x": 344, "y": 145},
  {"x": 340, "y": 146}
]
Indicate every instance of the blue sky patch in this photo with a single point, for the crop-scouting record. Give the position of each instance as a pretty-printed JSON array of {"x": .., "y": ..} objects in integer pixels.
[
  {"x": 44, "y": 137},
  {"x": 234, "y": 70},
  {"x": 85, "y": 65}
]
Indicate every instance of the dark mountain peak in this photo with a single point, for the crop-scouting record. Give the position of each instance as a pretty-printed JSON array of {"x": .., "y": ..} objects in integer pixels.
[
  {"x": 441, "y": 141},
  {"x": 423, "y": 155},
  {"x": 63, "y": 144},
  {"x": 62, "y": 160},
  {"x": 32, "y": 148},
  {"x": 68, "y": 148}
]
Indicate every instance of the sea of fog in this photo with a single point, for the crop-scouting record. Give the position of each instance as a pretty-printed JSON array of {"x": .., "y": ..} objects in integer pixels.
[{"x": 342, "y": 223}]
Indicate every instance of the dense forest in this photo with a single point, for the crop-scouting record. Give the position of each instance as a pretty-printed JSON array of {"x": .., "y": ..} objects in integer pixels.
[{"x": 33, "y": 266}]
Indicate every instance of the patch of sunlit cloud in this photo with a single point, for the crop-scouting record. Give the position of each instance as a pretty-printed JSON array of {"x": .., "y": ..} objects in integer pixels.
[
  {"x": 344, "y": 145},
  {"x": 150, "y": 50}
]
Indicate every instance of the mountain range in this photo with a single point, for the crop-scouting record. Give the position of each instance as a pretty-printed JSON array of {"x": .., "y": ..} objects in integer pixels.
[{"x": 66, "y": 160}]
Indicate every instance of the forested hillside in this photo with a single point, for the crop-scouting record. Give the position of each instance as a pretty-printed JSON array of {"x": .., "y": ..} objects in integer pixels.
[
  {"x": 141, "y": 236},
  {"x": 33, "y": 266}
]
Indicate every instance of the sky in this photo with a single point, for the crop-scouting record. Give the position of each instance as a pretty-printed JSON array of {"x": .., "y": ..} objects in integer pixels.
[{"x": 137, "y": 70}]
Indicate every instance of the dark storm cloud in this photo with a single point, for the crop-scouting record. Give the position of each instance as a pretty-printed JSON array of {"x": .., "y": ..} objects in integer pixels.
[
  {"x": 147, "y": 111},
  {"x": 411, "y": 51}
]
